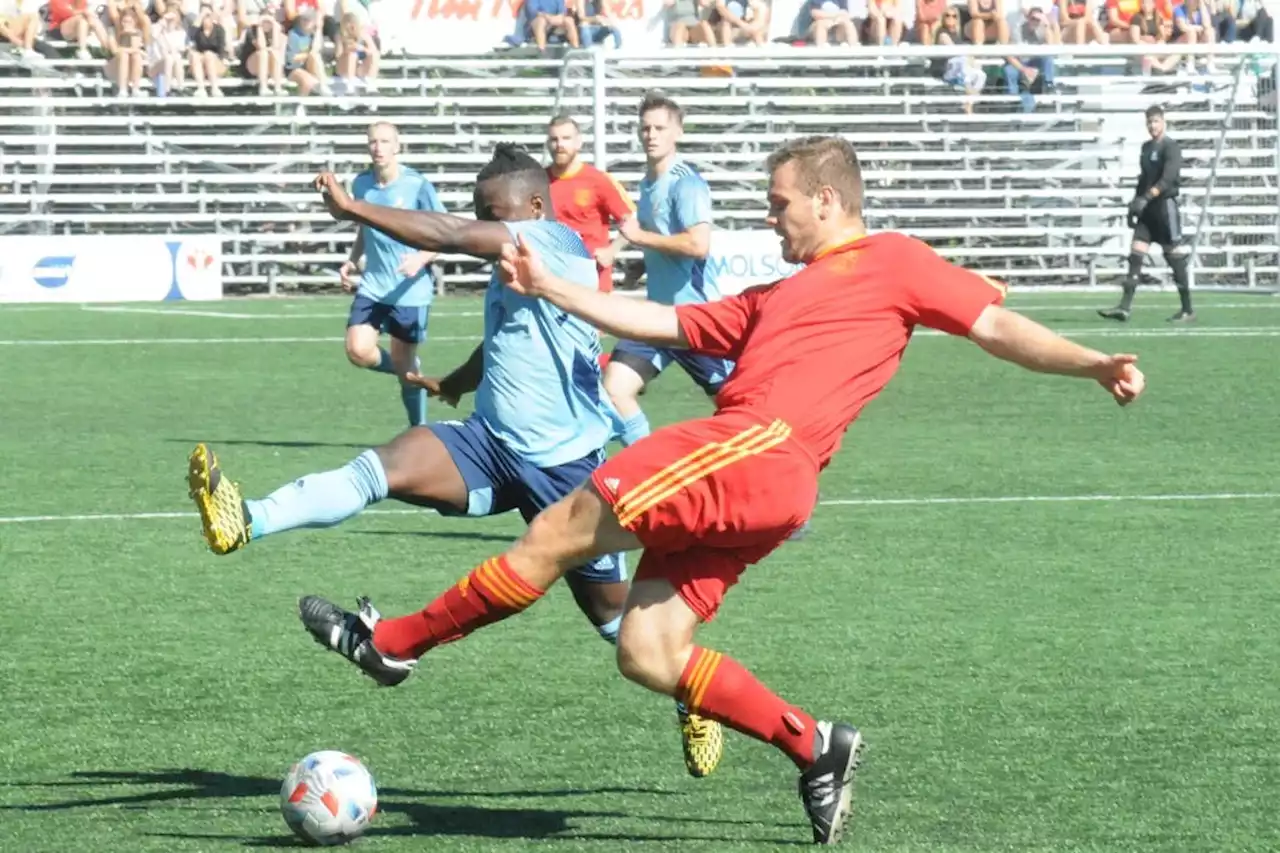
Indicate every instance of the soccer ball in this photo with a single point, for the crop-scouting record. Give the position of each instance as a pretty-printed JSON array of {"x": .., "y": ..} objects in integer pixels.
[{"x": 328, "y": 798}]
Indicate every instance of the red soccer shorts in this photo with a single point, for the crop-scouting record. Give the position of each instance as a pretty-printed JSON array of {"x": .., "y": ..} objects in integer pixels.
[{"x": 707, "y": 498}]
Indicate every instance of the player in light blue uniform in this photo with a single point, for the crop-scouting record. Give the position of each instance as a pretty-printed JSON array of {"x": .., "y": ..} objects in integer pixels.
[
  {"x": 395, "y": 291},
  {"x": 541, "y": 416},
  {"x": 672, "y": 228}
]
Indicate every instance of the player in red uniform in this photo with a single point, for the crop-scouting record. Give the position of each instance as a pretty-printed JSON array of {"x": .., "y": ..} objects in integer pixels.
[
  {"x": 585, "y": 198},
  {"x": 709, "y": 497}
]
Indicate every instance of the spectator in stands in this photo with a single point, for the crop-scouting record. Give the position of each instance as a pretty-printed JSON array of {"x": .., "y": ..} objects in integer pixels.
[
  {"x": 1153, "y": 25},
  {"x": 551, "y": 17},
  {"x": 19, "y": 28},
  {"x": 585, "y": 198},
  {"x": 208, "y": 46},
  {"x": 832, "y": 18},
  {"x": 321, "y": 11},
  {"x": 1079, "y": 22},
  {"x": 1225, "y": 13},
  {"x": 303, "y": 55},
  {"x": 742, "y": 22},
  {"x": 1256, "y": 21},
  {"x": 142, "y": 13},
  {"x": 127, "y": 48},
  {"x": 73, "y": 21},
  {"x": 1120, "y": 14},
  {"x": 883, "y": 24},
  {"x": 963, "y": 72},
  {"x": 262, "y": 53},
  {"x": 689, "y": 22},
  {"x": 928, "y": 19},
  {"x": 169, "y": 53},
  {"x": 357, "y": 56},
  {"x": 1193, "y": 23},
  {"x": 1025, "y": 76},
  {"x": 596, "y": 25},
  {"x": 987, "y": 24}
]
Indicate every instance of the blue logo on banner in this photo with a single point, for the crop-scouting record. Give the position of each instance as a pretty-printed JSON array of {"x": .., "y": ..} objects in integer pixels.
[{"x": 53, "y": 271}]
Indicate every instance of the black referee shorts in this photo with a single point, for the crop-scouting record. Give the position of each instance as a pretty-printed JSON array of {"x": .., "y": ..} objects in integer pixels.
[{"x": 1161, "y": 222}]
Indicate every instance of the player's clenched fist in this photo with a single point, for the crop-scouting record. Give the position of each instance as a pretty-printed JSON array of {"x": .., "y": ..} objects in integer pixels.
[
  {"x": 334, "y": 194},
  {"x": 1120, "y": 375},
  {"x": 521, "y": 269}
]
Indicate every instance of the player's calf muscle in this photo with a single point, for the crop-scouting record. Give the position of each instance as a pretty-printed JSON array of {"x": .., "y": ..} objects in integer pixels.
[{"x": 571, "y": 532}]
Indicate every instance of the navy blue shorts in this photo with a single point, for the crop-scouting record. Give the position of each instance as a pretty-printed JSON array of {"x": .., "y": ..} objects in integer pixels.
[
  {"x": 648, "y": 361},
  {"x": 499, "y": 481},
  {"x": 406, "y": 323}
]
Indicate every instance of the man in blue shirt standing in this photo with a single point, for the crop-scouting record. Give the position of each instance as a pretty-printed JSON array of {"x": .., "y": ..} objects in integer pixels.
[
  {"x": 395, "y": 291},
  {"x": 672, "y": 228},
  {"x": 541, "y": 416}
]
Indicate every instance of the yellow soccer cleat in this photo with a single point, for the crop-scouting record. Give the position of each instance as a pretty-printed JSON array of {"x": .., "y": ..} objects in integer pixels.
[
  {"x": 703, "y": 743},
  {"x": 222, "y": 512}
]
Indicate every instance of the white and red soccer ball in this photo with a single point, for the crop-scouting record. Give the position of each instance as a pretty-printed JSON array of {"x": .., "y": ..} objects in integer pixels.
[{"x": 328, "y": 798}]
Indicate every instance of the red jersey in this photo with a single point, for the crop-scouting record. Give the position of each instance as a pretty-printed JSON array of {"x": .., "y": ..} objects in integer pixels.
[
  {"x": 816, "y": 347},
  {"x": 588, "y": 200}
]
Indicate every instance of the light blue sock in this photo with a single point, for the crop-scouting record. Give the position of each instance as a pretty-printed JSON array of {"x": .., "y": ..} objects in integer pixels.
[
  {"x": 634, "y": 428},
  {"x": 384, "y": 364},
  {"x": 609, "y": 630},
  {"x": 414, "y": 399},
  {"x": 321, "y": 500}
]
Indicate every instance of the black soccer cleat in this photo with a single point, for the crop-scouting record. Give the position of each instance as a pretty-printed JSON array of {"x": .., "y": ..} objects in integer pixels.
[
  {"x": 826, "y": 788},
  {"x": 1183, "y": 317},
  {"x": 1117, "y": 313},
  {"x": 351, "y": 635}
]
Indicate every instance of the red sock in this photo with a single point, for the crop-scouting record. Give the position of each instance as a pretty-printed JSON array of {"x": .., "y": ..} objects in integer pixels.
[
  {"x": 718, "y": 687},
  {"x": 489, "y": 594}
]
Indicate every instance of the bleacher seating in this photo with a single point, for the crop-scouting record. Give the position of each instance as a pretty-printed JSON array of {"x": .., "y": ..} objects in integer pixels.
[{"x": 1033, "y": 197}]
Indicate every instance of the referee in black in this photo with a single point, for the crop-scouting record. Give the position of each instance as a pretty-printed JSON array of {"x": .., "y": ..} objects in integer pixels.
[{"x": 1154, "y": 217}]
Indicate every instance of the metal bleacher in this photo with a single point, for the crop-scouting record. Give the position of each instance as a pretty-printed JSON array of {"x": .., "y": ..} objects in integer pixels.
[{"x": 1034, "y": 197}]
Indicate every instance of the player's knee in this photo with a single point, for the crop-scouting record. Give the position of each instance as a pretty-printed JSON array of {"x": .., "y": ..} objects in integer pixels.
[
  {"x": 643, "y": 658},
  {"x": 362, "y": 355}
]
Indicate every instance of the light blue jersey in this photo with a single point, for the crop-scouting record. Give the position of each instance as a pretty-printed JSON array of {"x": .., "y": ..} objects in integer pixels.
[
  {"x": 541, "y": 393},
  {"x": 672, "y": 203},
  {"x": 381, "y": 282}
]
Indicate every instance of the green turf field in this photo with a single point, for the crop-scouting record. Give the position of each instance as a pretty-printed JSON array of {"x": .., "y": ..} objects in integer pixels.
[{"x": 1031, "y": 674}]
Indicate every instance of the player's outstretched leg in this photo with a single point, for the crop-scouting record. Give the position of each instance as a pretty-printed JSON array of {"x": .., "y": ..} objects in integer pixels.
[
  {"x": 415, "y": 467},
  {"x": 656, "y": 650},
  {"x": 567, "y": 534}
]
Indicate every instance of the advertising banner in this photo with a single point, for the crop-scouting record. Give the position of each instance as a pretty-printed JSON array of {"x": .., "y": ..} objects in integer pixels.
[
  {"x": 739, "y": 259},
  {"x": 110, "y": 268}
]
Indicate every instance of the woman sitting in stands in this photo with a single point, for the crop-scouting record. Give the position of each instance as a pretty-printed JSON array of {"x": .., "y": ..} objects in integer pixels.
[
  {"x": 741, "y": 22},
  {"x": 1079, "y": 19},
  {"x": 1153, "y": 24},
  {"x": 169, "y": 53},
  {"x": 1119, "y": 15},
  {"x": 127, "y": 47},
  {"x": 73, "y": 21},
  {"x": 262, "y": 52},
  {"x": 987, "y": 24},
  {"x": 304, "y": 57},
  {"x": 17, "y": 27},
  {"x": 357, "y": 56},
  {"x": 208, "y": 46}
]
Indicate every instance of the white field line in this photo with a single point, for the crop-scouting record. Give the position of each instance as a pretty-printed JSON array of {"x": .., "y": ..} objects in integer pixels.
[
  {"x": 838, "y": 502},
  {"x": 1100, "y": 332}
]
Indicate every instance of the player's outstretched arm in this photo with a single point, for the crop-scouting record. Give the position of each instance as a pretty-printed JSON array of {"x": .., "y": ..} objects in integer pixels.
[
  {"x": 1025, "y": 342},
  {"x": 422, "y": 229},
  {"x": 636, "y": 319}
]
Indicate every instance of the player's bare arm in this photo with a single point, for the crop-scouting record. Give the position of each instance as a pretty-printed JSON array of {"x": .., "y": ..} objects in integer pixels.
[
  {"x": 635, "y": 319},
  {"x": 346, "y": 272},
  {"x": 422, "y": 229},
  {"x": 452, "y": 388},
  {"x": 693, "y": 243},
  {"x": 1024, "y": 342}
]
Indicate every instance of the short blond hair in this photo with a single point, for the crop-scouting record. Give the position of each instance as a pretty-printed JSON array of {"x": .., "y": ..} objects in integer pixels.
[{"x": 823, "y": 161}]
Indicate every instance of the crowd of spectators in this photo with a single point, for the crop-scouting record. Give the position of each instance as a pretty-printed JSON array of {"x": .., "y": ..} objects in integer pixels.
[{"x": 190, "y": 46}]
